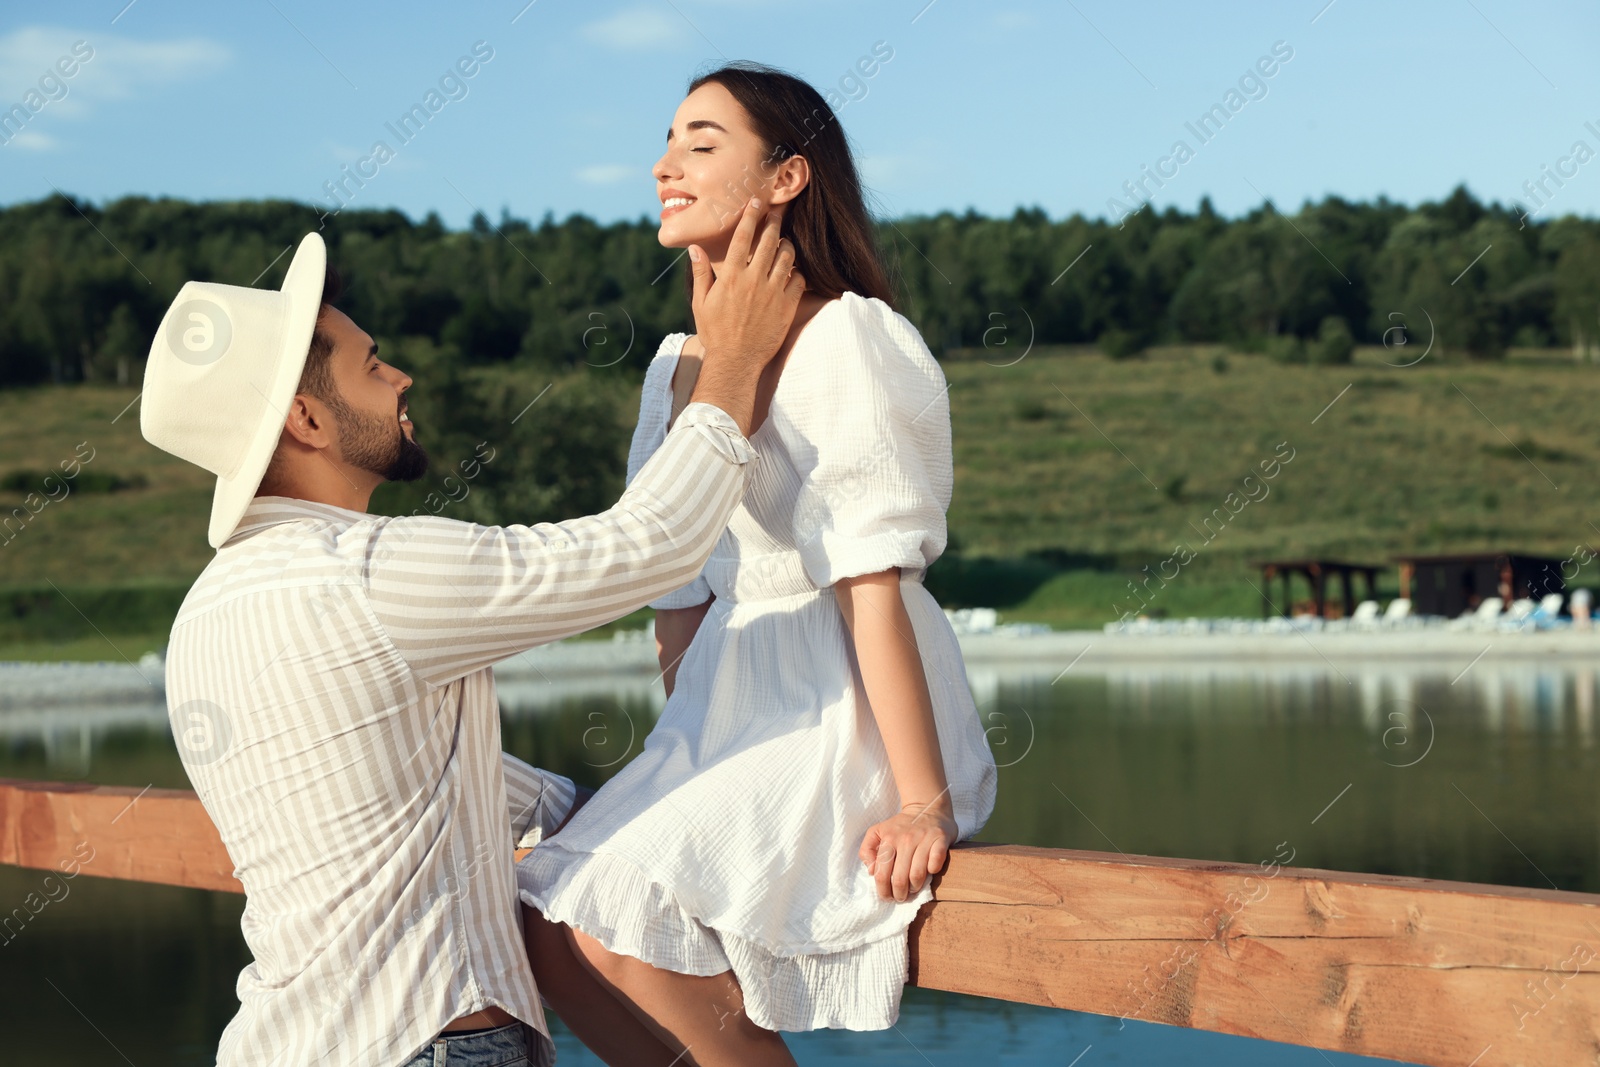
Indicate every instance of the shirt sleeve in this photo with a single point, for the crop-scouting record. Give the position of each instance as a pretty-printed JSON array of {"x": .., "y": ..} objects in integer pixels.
[
  {"x": 455, "y": 597},
  {"x": 536, "y": 800},
  {"x": 655, "y": 411},
  {"x": 867, "y": 424}
]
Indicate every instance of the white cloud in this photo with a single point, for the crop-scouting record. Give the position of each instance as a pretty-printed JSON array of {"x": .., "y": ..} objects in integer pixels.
[
  {"x": 33, "y": 142},
  {"x": 118, "y": 68},
  {"x": 606, "y": 173},
  {"x": 886, "y": 168},
  {"x": 639, "y": 29}
]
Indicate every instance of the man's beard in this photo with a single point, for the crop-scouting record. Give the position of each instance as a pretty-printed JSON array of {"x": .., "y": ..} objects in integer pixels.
[{"x": 377, "y": 445}]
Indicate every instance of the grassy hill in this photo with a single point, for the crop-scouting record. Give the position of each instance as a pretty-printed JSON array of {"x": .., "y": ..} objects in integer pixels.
[
  {"x": 1073, "y": 474},
  {"x": 1116, "y": 464}
]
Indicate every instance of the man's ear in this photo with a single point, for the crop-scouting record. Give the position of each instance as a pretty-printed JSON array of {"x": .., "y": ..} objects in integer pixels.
[
  {"x": 790, "y": 179},
  {"x": 309, "y": 421}
]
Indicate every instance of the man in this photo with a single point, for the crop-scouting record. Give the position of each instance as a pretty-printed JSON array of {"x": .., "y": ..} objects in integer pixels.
[{"x": 328, "y": 676}]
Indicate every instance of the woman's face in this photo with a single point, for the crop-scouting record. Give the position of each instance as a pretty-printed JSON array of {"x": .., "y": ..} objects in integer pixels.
[{"x": 713, "y": 165}]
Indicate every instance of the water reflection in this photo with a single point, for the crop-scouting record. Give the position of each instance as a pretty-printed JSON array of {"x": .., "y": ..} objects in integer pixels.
[
  {"x": 1494, "y": 697},
  {"x": 1519, "y": 697},
  {"x": 1474, "y": 771}
]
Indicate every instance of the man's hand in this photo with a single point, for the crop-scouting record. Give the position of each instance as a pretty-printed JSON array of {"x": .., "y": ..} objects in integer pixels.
[{"x": 743, "y": 313}]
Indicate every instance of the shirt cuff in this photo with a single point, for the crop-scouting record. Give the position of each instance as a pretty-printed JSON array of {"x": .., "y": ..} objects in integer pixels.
[
  {"x": 692, "y": 595},
  {"x": 718, "y": 427},
  {"x": 556, "y": 798}
]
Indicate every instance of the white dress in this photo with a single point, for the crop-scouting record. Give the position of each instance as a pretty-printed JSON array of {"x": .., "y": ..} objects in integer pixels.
[{"x": 730, "y": 841}]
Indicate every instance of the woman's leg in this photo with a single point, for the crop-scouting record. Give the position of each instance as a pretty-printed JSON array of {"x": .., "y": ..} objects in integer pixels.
[
  {"x": 611, "y": 1029},
  {"x": 701, "y": 1016}
]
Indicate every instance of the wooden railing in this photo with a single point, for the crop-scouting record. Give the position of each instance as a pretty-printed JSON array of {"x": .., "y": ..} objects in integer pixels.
[{"x": 1431, "y": 972}]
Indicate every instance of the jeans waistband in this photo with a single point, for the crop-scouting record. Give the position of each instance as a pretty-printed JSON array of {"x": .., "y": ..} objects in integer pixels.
[{"x": 511, "y": 1043}]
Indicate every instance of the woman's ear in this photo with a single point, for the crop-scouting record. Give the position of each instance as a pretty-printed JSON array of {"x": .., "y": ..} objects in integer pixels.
[{"x": 790, "y": 179}]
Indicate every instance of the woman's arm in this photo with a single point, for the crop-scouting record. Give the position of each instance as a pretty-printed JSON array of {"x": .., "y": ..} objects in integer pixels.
[
  {"x": 675, "y": 628},
  {"x": 904, "y": 850}
]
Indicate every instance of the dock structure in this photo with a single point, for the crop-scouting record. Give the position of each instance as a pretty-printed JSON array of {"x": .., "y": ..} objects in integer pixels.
[
  {"x": 1452, "y": 584},
  {"x": 1318, "y": 573},
  {"x": 1414, "y": 969}
]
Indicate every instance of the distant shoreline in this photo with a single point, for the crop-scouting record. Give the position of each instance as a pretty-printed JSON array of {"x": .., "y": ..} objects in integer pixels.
[{"x": 38, "y": 685}]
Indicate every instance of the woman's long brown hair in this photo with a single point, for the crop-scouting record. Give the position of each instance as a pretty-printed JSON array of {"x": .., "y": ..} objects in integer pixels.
[{"x": 835, "y": 247}]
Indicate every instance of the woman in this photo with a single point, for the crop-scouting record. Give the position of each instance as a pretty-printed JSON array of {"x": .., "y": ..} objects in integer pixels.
[{"x": 755, "y": 868}]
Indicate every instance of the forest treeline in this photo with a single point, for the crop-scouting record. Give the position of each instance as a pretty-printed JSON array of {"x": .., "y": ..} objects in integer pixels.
[
  {"x": 83, "y": 287},
  {"x": 501, "y": 316}
]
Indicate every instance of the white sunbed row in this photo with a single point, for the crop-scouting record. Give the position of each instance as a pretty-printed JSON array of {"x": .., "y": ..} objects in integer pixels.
[{"x": 1490, "y": 615}]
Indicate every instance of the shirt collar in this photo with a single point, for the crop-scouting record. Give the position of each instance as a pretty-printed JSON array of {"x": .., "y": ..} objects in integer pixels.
[{"x": 265, "y": 511}]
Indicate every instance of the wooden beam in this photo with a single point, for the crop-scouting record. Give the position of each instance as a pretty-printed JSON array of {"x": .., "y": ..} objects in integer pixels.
[
  {"x": 140, "y": 835},
  {"x": 1415, "y": 969}
]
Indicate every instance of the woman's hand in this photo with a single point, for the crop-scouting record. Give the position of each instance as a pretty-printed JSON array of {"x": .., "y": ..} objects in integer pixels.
[{"x": 903, "y": 851}]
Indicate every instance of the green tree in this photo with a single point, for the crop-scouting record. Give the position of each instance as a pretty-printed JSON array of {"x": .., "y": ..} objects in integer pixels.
[{"x": 1577, "y": 291}]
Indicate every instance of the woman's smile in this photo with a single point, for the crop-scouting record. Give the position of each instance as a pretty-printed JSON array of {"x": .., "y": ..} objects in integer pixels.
[{"x": 674, "y": 201}]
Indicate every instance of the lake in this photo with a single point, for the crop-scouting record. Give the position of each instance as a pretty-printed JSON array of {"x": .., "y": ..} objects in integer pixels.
[{"x": 1486, "y": 775}]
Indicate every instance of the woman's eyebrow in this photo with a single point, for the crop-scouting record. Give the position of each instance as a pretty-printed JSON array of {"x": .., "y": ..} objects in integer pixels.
[{"x": 699, "y": 124}]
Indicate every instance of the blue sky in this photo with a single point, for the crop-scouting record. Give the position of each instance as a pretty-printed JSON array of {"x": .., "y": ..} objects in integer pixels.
[{"x": 988, "y": 105}]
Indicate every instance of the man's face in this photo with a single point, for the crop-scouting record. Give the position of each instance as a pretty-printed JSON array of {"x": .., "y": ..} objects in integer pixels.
[{"x": 375, "y": 432}]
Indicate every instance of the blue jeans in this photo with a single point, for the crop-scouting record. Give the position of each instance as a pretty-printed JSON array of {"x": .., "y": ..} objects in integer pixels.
[{"x": 512, "y": 1045}]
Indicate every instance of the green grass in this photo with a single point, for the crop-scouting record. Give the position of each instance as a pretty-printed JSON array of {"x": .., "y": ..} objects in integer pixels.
[
  {"x": 1415, "y": 459},
  {"x": 113, "y": 648},
  {"x": 1075, "y": 472},
  {"x": 1121, "y": 463}
]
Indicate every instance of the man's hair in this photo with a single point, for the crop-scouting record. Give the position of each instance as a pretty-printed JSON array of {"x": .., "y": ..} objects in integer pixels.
[{"x": 316, "y": 379}]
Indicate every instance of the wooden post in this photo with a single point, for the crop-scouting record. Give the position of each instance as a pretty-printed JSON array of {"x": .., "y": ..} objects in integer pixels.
[
  {"x": 1432, "y": 972},
  {"x": 1268, "y": 573}
]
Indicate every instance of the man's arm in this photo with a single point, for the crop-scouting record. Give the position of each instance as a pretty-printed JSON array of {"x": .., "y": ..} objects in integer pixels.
[
  {"x": 539, "y": 802},
  {"x": 454, "y": 597}
]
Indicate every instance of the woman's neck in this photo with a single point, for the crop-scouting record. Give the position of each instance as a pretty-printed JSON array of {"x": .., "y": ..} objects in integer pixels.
[{"x": 718, "y": 255}]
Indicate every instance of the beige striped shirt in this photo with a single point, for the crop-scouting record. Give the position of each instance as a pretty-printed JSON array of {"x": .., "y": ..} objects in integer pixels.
[{"x": 329, "y": 688}]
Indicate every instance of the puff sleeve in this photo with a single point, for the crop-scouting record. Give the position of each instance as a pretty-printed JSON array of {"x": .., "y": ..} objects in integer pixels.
[
  {"x": 655, "y": 411},
  {"x": 867, "y": 424}
]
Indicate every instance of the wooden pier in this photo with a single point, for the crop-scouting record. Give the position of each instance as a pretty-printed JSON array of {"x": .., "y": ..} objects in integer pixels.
[{"x": 1452, "y": 974}]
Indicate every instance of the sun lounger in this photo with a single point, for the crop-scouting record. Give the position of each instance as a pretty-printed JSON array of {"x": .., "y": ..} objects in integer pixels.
[
  {"x": 1398, "y": 609},
  {"x": 1365, "y": 617},
  {"x": 1485, "y": 617},
  {"x": 1547, "y": 616},
  {"x": 1518, "y": 616}
]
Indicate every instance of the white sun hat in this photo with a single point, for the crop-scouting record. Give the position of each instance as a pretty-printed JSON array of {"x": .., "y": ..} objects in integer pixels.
[{"x": 222, "y": 370}]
